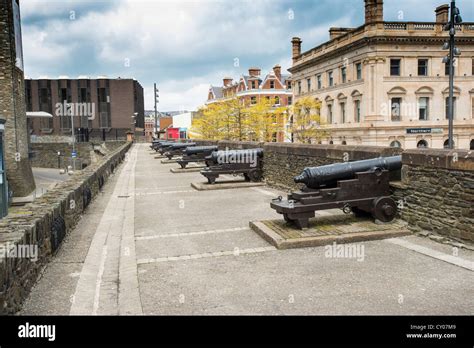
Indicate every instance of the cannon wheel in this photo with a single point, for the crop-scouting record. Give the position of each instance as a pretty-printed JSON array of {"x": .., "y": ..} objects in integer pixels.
[
  {"x": 169, "y": 157},
  {"x": 211, "y": 180},
  {"x": 183, "y": 165},
  {"x": 254, "y": 176},
  {"x": 384, "y": 209}
]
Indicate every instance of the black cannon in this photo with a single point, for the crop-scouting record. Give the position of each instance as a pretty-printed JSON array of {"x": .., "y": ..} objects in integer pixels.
[
  {"x": 158, "y": 144},
  {"x": 361, "y": 187},
  {"x": 177, "y": 149},
  {"x": 247, "y": 162},
  {"x": 196, "y": 154},
  {"x": 163, "y": 147}
]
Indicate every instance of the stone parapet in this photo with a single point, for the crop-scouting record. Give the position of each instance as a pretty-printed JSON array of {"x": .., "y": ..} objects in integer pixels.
[
  {"x": 437, "y": 192},
  {"x": 43, "y": 224}
]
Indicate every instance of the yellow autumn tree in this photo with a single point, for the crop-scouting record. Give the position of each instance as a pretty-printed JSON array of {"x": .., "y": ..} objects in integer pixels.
[
  {"x": 306, "y": 121},
  {"x": 209, "y": 122},
  {"x": 265, "y": 120},
  {"x": 236, "y": 120}
]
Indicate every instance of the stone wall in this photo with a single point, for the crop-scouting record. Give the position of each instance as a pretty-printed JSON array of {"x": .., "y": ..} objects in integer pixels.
[
  {"x": 13, "y": 110},
  {"x": 437, "y": 192},
  {"x": 43, "y": 224},
  {"x": 283, "y": 161},
  {"x": 45, "y": 155}
]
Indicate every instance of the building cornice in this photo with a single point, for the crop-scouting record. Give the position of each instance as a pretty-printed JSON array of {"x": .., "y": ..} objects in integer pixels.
[{"x": 370, "y": 36}]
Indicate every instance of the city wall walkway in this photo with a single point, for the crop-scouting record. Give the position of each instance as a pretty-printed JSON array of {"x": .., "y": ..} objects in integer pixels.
[{"x": 151, "y": 244}]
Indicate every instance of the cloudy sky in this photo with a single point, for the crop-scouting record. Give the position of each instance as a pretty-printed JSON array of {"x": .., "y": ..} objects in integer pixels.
[{"x": 186, "y": 45}]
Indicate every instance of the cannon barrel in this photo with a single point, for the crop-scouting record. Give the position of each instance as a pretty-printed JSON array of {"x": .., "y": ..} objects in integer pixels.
[
  {"x": 329, "y": 175},
  {"x": 180, "y": 146},
  {"x": 200, "y": 150},
  {"x": 236, "y": 156}
]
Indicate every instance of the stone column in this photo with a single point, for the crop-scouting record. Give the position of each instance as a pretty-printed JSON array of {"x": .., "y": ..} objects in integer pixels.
[{"x": 12, "y": 101}]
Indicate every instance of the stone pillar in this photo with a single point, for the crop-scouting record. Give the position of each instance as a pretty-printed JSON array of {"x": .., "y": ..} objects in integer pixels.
[{"x": 12, "y": 101}]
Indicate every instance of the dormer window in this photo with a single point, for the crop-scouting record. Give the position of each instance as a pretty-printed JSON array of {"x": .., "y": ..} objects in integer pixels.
[{"x": 272, "y": 84}]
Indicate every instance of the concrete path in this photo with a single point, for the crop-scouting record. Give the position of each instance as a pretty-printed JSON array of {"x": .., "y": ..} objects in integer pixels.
[{"x": 150, "y": 244}]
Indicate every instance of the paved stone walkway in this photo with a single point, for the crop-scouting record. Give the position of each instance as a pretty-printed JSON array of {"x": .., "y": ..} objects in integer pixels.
[{"x": 150, "y": 244}]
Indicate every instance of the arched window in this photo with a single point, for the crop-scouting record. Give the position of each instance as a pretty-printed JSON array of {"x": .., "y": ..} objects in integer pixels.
[
  {"x": 422, "y": 144},
  {"x": 446, "y": 143},
  {"x": 395, "y": 143},
  {"x": 344, "y": 142},
  {"x": 331, "y": 142}
]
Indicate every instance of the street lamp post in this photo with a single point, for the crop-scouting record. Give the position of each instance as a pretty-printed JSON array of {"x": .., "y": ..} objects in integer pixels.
[{"x": 455, "y": 18}]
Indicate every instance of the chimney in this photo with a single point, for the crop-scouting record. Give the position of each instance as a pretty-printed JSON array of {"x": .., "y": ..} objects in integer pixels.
[
  {"x": 296, "y": 43},
  {"x": 277, "y": 71},
  {"x": 373, "y": 11},
  {"x": 227, "y": 81},
  {"x": 442, "y": 14},
  {"x": 254, "y": 72}
]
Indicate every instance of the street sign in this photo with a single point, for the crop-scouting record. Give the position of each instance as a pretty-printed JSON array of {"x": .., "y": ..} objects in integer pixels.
[{"x": 74, "y": 155}]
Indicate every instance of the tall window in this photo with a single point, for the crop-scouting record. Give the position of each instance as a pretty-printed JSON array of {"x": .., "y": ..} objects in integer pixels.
[
  {"x": 253, "y": 100},
  {"x": 320, "y": 83},
  {"x": 422, "y": 67},
  {"x": 343, "y": 75},
  {"x": 290, "y": 100},
  {"x": 359, "y": 71},
  {"x": 343, "y": 112},
  {"x": 395, "y": 67},
  {"x": 454, "y": 108},
  {"x": 329, "y": 113},
  {"x": 423, "y": 107},
  {"x": 357, "y": 111},
  {"x": 277, "y": 100},
  {"x": 308, "y": 84},
  {"x": 446, "y": 69},
  {"x": 44, "y": 97},
  {"x": 330, "y": 79},
  {"x": 104, "y": 107},
  {"x": 299, "y": 87},
  {"x": 272, "y": 84},
  {"x": 396, "y": 109},
  {"x": 65, "y": 98}
]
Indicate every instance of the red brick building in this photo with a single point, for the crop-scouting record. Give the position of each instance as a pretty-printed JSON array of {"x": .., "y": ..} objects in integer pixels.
[{"x": 253, "y": 87}]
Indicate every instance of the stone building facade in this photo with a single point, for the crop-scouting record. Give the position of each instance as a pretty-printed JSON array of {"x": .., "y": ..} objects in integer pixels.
[
  {"x": 12, "y": 103},
  {"x": 384, "y": 83}
]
